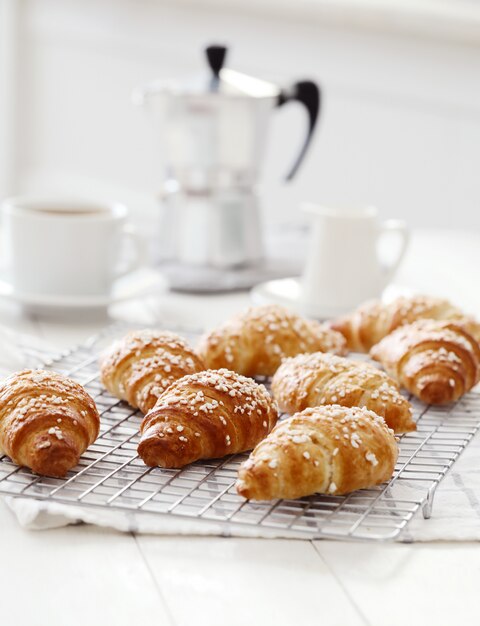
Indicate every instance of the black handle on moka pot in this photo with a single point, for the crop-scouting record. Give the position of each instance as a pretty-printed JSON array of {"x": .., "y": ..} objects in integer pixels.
[{"x": 307, "y": 93}]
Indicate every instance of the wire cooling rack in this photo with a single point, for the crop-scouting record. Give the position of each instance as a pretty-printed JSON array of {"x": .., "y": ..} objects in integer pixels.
[{"x": 111, "y": 476}]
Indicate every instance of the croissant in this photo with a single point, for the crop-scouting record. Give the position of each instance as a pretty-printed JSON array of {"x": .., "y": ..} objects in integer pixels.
[
  {"x": 309, "y": 380},
  {"x": 437, "y": 361},
  {"x": 254, "y": 342},
  {"x": 46, "y": 421},
  {"x": 374, "y": 320},
  {"x": 139, "y": 367},
  {"x": 327, "y": 449},
  {"x": 206, "y": 415}
]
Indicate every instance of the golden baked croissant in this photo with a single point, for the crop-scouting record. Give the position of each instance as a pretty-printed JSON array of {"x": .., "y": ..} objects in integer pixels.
[
  {"x": 204, "y": 416},
  {"x": 374, "y": 320},
  {"x": 328, "y": 449},
  {"x": 255, "y": 342},
  {"x": 46, "y": 421},
  {"x": 436, "y": 361},
  {"x": 139, "y": 367},
  {"x": 309, "y": 380}
]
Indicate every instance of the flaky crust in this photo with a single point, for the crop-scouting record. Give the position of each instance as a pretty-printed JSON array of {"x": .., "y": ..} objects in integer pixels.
[
  {"x": 327, "y": 449},
  {"x": 310, "y": 380},
  {"x": 204, "y": 416},
  {"x": 142, "y": 365},
  {"x": 436, "y": 361},
  {"x": 46, "y": 421},
  {"x": 254, "y": 342},
  {"x": 374, "y": 320}
]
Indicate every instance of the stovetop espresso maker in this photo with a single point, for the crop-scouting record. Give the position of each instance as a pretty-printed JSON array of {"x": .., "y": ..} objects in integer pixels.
[{"x": 214, "y": 131}]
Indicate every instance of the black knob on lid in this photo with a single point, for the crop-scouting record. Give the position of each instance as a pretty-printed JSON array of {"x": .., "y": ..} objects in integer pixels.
[{"x": 216, "y": 58}]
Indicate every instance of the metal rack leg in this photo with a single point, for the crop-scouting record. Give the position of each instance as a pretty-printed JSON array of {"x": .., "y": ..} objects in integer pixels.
[{"x": 427, "y": 507}]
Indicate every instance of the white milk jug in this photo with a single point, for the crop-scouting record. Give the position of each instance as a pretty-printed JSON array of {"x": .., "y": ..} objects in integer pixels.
[{"x": 344, "y": 267}]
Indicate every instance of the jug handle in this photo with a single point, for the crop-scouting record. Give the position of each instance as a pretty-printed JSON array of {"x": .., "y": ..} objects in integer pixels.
[
  {"x": 307, "y": 93},
  {"x": 400, "y": 228}
]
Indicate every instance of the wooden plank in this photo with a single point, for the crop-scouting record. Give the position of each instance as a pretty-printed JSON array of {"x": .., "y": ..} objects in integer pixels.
[
  {"x": 215, "y": 581},
  {"x": 408, "y": 584},
  {"x": 76, "y": 575}
]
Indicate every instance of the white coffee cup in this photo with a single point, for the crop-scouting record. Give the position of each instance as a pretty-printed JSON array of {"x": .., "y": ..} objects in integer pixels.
[
  {"x": 64, "y": 247},
  {"x": 344, "y": 267}
]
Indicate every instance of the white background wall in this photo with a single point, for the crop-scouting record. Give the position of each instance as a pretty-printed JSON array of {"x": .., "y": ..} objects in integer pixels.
[{"x": 400, "y": 126}]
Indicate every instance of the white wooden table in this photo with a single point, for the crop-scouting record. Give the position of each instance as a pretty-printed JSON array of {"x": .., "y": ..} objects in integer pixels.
[{"x": 85, "y": 575}]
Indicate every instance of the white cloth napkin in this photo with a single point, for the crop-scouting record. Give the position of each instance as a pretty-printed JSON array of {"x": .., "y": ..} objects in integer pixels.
[{"x": 12, "y": 357}]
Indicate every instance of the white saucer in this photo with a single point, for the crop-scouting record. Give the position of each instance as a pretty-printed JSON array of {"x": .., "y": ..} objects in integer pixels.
[
  {"x": 287, "y": 292},
  {"x": 284, "y": 291},
  {"x": 133, "y": 285}
]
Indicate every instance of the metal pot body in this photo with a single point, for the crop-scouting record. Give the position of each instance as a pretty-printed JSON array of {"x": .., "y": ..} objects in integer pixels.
[{"x": 213, "y": 139}]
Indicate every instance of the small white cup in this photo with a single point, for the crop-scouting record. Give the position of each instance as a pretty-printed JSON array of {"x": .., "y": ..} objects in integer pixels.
[
  {"x": 344, "y": 267},
  {"x": 65, "y": 247}
]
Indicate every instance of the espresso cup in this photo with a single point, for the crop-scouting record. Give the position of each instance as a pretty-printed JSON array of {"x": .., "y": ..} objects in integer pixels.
[{"x": 64, "y": 247}]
